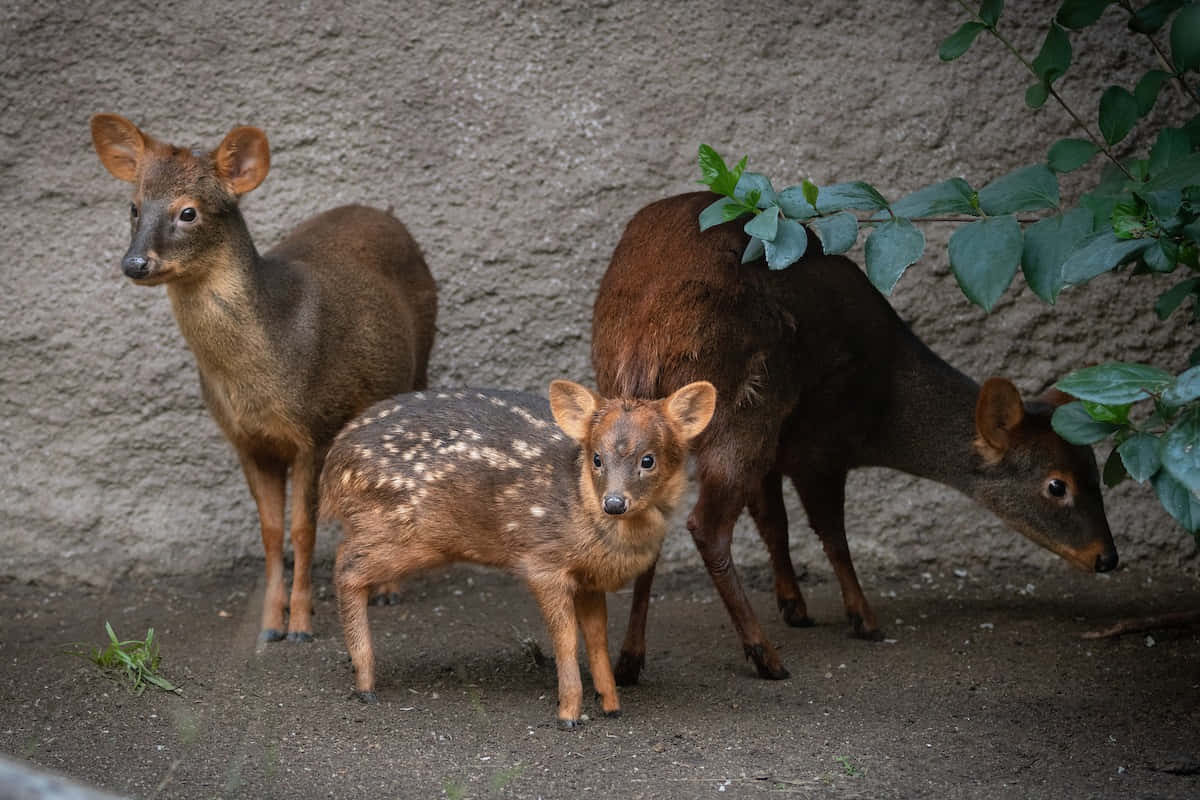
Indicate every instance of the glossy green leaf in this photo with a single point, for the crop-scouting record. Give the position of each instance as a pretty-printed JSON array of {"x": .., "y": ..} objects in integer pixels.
[
  {"x": 1181, "y": 449},
  {"x": 856, "y": 194},
  {"x": 1036, "y": 95},
  {"x": 1098, "y": 253},
  {"x": 715, "y": 174},
  {"x": 788, "y": 244},
  {"x": 1186, "y": 388},
  {"x": 1146, "y": 91},
  {"x": 791, "y": 201},
  {"x": 1072, "y": 423},
  {"x": 1054, "y": 58},
  {"x": 1025, "y": 189},
  {"x": 1118, "y": 113},
  {"x": 990, "y": 11},
  {"x": 1046, "y": 246},
  {"x": 1171, "y": 299},
  {"x": 1184, "y": 172},
  {"x": 949, "y": 197},
  {"x": 764, "y": 225},
  {"x": 1076, "y": 14},
  {"x": 890, "y": 249},
  {"x": 1177, "y": 500},
  {"x": 1070, "y": 154},
  {"x": 984, "y": 256},
  {"x": 1185, "y": 38},
  {"x": 1129, "y": 219},
  {"x": 1139, "y": 453},
  {"x": 1116, "y": 382},
  {"x": 754, "y": 250},
  {"x": 1171, "y": 147},
  {"x": 960, "y": 41},
  {"x": 810, "y": 191},
  {"x": 753, "y": 181},
  {"x": 837, "y": 233},
  {"x": 715, "y": 213},
  {"x": 1114, "y": 470},
  {"x": 1161, "y": 257},
  {"x": 1101, "y": 412},
  {"x": 1152, "y": 16}
]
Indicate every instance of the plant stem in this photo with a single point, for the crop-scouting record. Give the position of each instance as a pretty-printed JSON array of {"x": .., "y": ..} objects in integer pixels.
[{"x": 1181, "y": 84}]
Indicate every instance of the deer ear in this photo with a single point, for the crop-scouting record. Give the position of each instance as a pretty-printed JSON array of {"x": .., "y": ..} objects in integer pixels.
[
  {"x": 997, "y": 413},
  {"x": 243, "y": 159},
  {"x": 691, "y": 408},
  {"x": 119, "y": 144},
  {"x": 573, "y": 406}
]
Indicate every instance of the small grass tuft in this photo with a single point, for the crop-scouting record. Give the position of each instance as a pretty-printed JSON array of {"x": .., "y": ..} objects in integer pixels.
[{"x": 134, "y": 662}]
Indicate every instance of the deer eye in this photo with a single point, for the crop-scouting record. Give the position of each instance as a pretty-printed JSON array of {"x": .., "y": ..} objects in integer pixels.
[
  {"x": 133, "y": 212},
  {"x": 596, "y": 462},
  {"x": 1056, "y": 487},
  {"x": 187, "y": 215},
  {"x": 647, "y": 461}
]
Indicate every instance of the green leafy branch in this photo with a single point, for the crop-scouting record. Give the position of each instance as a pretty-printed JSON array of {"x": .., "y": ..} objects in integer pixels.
[{"x": 134, "y": 662}]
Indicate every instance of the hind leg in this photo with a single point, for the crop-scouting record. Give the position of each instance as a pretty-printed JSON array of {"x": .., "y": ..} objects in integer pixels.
[
  {"x": 770, "y": 518},
  {"x": 352, "y": 591}
]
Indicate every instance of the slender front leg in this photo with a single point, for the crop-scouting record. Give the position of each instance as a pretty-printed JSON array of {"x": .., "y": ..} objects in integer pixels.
[
  {"x": 352, "y": 590},
  {"x": 267, "y": 480},
  {"x": 592, "y": 613},
  {"x": 633, "y": 649},
  {"x": 305, "y": 474},
  {"x": 711, "y": 523},
  {"x": 770, "y": 518},
  {"x": 553, "y": 595}
]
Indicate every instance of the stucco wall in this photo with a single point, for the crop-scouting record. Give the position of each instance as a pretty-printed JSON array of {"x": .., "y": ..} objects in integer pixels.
[{"x": 515, "y": 140}]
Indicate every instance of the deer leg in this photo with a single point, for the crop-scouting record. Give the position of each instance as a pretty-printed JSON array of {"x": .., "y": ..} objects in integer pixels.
[
  {"x": 267, "y": 480},
  {"x": 352, "y": 589},
  {"x": 711, "y": 525},
  {"x": 770, "y": 518},
  {"x": 633, "y": 649},
  {"x": 592, "y": 613},
  {"x": 824, "y": 501},
  {"x": 305, "y": 474},
  {"x": 554, "y": 598}
]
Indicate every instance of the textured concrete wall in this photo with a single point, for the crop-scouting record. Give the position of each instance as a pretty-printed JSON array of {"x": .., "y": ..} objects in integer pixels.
[{"x": 515, "y": 140}]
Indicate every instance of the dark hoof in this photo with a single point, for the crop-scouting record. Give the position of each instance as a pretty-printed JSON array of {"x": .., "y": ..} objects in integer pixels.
[
  {"x": 798, "y": 620},
  {"x": 369, "y": 698},
  {"x": 271, "y": 635},
  {"x": 612, "y": 714},
  {"x": 868, "y": 636},
  {"x": 299, "y": 636},
  {"x": 790, "y": 608},
  {"x": 628, "y": 668},
  {"x": 570, "y": 724},
  {"x": 757, "y": 653},
  {"x": 386, "y": 599}
]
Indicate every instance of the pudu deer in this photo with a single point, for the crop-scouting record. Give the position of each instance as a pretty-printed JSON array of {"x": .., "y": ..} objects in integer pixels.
[
  {"x": 816, "y": 375},
  {"x": 575, "y": 510},
  {"x": 290, "y": 344}
]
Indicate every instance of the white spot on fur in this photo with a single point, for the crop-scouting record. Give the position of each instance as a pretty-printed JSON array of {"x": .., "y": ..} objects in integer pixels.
[
  {"x": 512, "y": 526},
  {"x": 537, "y": 511},
  {"x": 525, "y": 450}
]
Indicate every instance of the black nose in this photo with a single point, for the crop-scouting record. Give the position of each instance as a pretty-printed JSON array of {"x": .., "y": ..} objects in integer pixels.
[
  {"x": 135, "y": 266},
  {"x": 1106, "y": 561},
  {"x": 614, "y": 504}
]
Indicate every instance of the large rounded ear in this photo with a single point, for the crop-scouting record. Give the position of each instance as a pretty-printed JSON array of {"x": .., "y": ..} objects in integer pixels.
[
  {"x": 243, "y": 159},
  {"x": 119, "y": 144},
  {"x": 573, "y": 406},
  {"x": 691, "y": 408},
  {"x": 997, "y": 413}
]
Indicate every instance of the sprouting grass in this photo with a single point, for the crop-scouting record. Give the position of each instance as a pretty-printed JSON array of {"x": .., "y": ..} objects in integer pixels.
[
  {"x": 847, "y": 767},
  {"x": 134, "y": 662}
]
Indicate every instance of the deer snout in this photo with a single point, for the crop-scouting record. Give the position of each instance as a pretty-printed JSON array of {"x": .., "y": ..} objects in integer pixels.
[
  {"x": 615, "y": 504},
  {"x": 1106, "y": 561},
  {"x": 135, "y": 266}
]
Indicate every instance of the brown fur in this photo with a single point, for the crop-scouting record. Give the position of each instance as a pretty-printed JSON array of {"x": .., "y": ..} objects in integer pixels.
[
  {"x": 290, "y": 344},
  {"x": 816, "y": 375},
  {"x": 428, "y": 479}
]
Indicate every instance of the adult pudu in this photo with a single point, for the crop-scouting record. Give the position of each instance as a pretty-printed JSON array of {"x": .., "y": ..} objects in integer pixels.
[
  {"x": 575, "y": 510},
  {"x": 290, "y": 344},
  {"x": 815, "y": 375}
]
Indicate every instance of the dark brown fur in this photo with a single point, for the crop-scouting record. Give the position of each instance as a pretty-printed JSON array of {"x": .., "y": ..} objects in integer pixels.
[
  {"x": 816, "y": 375},
  {"x": 484, "y": 476},
  {"x": 290, "y": 344}
]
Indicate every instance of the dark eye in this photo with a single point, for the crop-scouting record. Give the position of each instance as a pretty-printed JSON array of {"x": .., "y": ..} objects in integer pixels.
[
  {"x": 1056, "y": 487},
  {"x": 647, "y": 461},
  {"x": 187, "y": 215},
  {"x": 133, "y": 212},
  {"x": 596, "y": 460}
]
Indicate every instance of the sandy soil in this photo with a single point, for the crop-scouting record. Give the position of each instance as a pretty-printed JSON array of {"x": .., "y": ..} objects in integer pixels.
[{"x": 984, "y": 689}]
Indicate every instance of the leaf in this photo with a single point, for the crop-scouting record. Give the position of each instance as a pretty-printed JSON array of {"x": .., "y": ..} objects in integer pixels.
[
  {"x": 1171, "y": 299},
  {"x": 1186, "y": 388},
  {"x": 1116, "y": 414},
  {"x": 1036, "y": 95},
  {"x": 764, "y": 225},
  {"x": 948, "y": 197},
  {"x": 1070, "y": 154},
  {"x": 1181, "y": 449},
  {"x": 1139, "y": 453},
  {"x": 1184, "y": 172},
  {"x": 1118, "y": 113},
  {"x": 1185, "y": 39},
  {"x": 1097, "y": 253},
  {"x": 750, "y": 182},
  {"x": 1046, "y": 246},
  {"x": 1114, "y": 470},
  {"x": 1151, "y": 17},
  {"x": 1025, "y": 189},
  {"x": 984, "y": 256},
  {"x": 1171, "y": 147},
  {"x": 1177, "y": 500},
  {"x": 1116, "y": 382},
  {"x": 837, "y": 233},
  {"x": 1072, "y": 423},
  {"x": 1161, "y": 257},
  {"x": 715, "y": 214},
  {"x": 1146, "y": 91},
  {"x": 790, "y": 242},
  {"x": 1077, "y": 14},
  {"x": 734, "y": 210},
  {"x": 810, "y": 191},
  {"x": 754, "y": 250},
  {"x": 1128, "y": 219},
  {"x": 857, "y": 194},
  {"x": 960, "y": 41},
  {"x": 714, "y": 172},
  {"x": 990, "y": 10},
  {"x": 791, "y": 201},
  {"x": 890, "y": 249},
  {"x": 1054, "y": 58}
]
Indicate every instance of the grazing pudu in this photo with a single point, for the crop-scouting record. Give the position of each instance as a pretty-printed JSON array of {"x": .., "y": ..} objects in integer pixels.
[
  {"x": 816, "y": 375},
  {"x": 289, "y": 344},
  {"x": 484, "y": 476}
]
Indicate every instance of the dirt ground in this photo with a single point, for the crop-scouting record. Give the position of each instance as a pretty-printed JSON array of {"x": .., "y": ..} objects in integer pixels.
[{"x": 983, "y": 689}]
